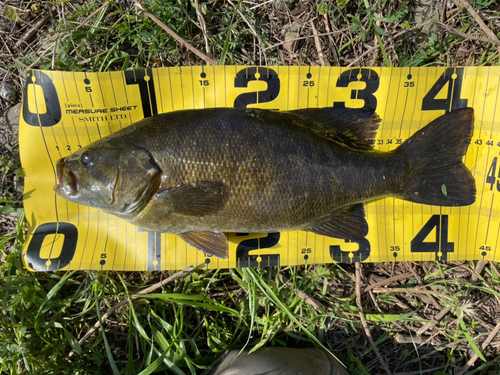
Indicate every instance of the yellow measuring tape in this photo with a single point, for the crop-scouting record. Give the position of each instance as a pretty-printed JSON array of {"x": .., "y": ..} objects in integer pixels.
[{"x": 64, "y": 111}]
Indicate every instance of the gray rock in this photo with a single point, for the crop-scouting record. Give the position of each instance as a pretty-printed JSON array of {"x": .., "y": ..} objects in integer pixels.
[
  {"x": 425, "y": 10},
  {"x": 8, "y": 92},
  {"x": 6, "y": 24},
  {"x": 12, "y": 116},
  {"x": 291, "y": 33},
  {"x": 283, "y": 5}
]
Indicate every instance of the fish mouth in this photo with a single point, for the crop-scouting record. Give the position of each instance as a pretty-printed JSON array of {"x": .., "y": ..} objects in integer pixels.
[{"x": 67, "y": 180}]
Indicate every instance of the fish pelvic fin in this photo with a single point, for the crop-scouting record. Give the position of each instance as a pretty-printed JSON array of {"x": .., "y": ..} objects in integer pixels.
[
  {"x": 214, "y": 243},
  {"x": 355, "y": 128},
  {"x": 437, "y": 175},
  {"x": 347, "y": 223}
]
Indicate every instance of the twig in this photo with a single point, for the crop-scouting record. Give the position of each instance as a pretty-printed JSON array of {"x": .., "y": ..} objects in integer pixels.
[
  {"x": 493, "y": 38},
  {"x": 388, "y": 281},
  {"x": 420, "y": 282},
  {"x": 494, "y": 268},
  {"x": 54, "y": 53},
  {"x": 332, "y": 42},
  {"x": 91, "y": 16},
  {"x": 363, "y": 320},
  {"x": 378, "y": 46},
  {"x": 311, "y": 301},
  {"x": 125, "y": 302},
  {"x": 435, "y": 320},
  {"x": 484, "y": 345},
  {"x": 174, "y": 35},
  {"x": 318, "y": 45},
  {"x": 339, "y": 32},
  {"x": 203, "y": 25},
  {"x": 466, "y": 36},
  {"x": 35, "y": 28}
]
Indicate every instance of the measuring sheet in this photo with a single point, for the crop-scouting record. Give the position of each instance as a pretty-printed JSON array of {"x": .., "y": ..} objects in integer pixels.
[{"x": 64, "y": 111}]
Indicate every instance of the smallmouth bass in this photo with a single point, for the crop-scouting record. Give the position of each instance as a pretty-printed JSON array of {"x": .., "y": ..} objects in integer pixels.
[{"x": 198, "y": 173}]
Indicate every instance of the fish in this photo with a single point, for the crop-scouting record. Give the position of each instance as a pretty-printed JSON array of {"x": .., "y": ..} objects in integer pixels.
[{"x": 203, "y": 172}]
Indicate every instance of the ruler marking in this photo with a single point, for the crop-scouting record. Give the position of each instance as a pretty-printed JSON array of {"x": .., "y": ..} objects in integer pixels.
[
  {"x": 158, "y": 88},
  {"x": 76, "y": 87},
  {"x": 192, "y": 90},
  {"x": 100, "y": 89},
  {"x": 214, "y": 85},
  {"x": 396, "y": 106},
  {"x": 182, "y": 87},
  {"x": 298, "y": 90},
  {"x": 124, "y": 83},
  {"x": 171, "y": 92},
  {"x": 485, "y": 173},
  {"x": 96, "y": 241},
  {"x": 309, "y": 72},
  {"x": 48, "y": 154},
  {"x": 112, "y": 88},
  {"x": 475, "y": 163},
  {"x": 489, "y": 219}
]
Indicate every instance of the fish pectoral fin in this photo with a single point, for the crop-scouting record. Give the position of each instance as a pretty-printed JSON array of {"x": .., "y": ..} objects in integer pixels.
[
  {"x": 213, "y": 243},
  {"x": 197, "y": 198},
  {"x": 348, "y": 223},
  {"x": 356, "y": 128}
]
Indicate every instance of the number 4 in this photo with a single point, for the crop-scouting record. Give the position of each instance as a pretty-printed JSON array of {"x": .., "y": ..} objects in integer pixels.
[
  {"x": 491, "y": 177},
  {"x": 440, "y": 246},
  {"x": 453, "y": 77}
]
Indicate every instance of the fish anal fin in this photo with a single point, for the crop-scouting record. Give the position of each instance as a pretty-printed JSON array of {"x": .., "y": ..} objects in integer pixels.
[
  {"x": 211, "y": 242},
  {"x": 356, "y": 128},
  {"x": 196, "y": 199},
  {"x": 347, "y": 223}
]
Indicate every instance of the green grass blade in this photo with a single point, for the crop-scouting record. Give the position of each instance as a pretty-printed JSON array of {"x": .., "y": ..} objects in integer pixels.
[
  {"x": 54, "y": 290},
  {"x": 382, "y": 49},
  {"x": 106, "y": 344},
  {"x": 471, "y": 341},
  {"x": 223, "y": 55}
]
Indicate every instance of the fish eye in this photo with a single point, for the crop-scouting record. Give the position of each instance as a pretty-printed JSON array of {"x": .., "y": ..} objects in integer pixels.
[{"x": 86, "y": 158}]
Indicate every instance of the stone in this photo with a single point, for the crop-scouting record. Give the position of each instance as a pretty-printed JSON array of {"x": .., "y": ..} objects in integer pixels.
[
  {"x": 6, "y": 24},
  {"x": 283, "y": 5},
  {"x": 12, "y": 116},
  {"x": 8, "y": 92},
  {"x": 290, "y": 34}
]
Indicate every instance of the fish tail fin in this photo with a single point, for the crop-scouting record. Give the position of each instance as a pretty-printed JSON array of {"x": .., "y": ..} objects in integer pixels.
[{"x": 437, "y": 174}]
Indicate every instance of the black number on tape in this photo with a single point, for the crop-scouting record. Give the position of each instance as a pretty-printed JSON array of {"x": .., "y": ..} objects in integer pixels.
[
  {"x": 244, "y": 259},
  {"x": 453, "y": 78},
  {"x": 369, "y": 77},
  {"x": 359, "y": 255},
  {"x": 144, "y": 78},
  {"x": 440, "y": 222},
  {"x": 33, "y": 256},
  {"x": 243, "y": 77},
  {"x": 154, "y": 249},
  {"x": 52, "y": 114},
  {"x": 491, "y": 178}
]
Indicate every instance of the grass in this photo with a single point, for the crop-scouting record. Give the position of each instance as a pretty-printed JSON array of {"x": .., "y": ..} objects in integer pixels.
[{"x": 182, "y": 325}]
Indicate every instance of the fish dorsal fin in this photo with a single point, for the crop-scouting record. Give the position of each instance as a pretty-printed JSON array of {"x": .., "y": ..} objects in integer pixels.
[
  {"x": 214, "y": 243},
  {"x": 195, "y": 199},
  {"x": 356, "y": 128},
  {"x": 348, "y": 223}
]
